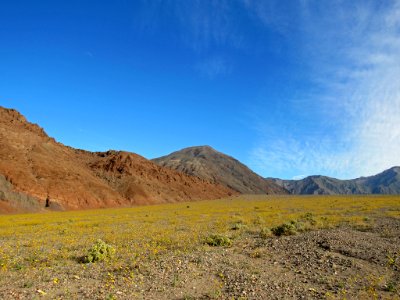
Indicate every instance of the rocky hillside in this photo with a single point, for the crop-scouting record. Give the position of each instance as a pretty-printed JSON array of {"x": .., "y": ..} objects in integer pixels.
[
  {"x": 34, "y": 167},
  {"x": 387, "y": 182},
  {"x": 209, "y": 164}
]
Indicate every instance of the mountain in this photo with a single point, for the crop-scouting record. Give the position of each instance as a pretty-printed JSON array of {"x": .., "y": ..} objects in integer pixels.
[
  {"x": 37, "y": 172},
  {"x": 321, "y": 185},
  {"x": 34, "y": 167},
  {"x": 387, "y": 182},
  {"x": 209, "y": 164}
]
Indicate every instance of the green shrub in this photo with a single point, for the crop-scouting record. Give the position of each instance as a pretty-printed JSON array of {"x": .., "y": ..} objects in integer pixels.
[
  {"x": 100, "y": 251},
  {"x": 217, "y": 240},
  {"x": 309, "y": 218},
  {"x": 265, "y": 232},
  {"x": 285, "y": 229},
  {"x": 238, "y": 226},
  {"x": 390, "y": 287},
  {"x": 302, "y": 226}
]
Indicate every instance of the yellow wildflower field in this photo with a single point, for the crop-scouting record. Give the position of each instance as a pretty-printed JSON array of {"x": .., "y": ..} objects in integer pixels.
[{"x": 53, "y": 244}]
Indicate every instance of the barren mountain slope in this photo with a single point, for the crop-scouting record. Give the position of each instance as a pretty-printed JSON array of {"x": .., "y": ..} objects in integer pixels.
[
  {"x": 207, "y": 163},
  {"x": 387, "y": 182},
  {"x": 39, "y": 167}
]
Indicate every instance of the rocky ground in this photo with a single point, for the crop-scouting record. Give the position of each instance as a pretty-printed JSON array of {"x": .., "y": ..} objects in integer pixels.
[{"x": 340, "y": 263}]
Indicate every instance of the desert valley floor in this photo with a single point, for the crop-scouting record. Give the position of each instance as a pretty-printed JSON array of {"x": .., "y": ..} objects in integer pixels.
[{"x": 243, "y": 247}]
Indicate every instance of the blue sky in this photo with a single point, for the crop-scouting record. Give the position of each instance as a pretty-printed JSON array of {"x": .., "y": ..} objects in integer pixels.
[{"x": 290, "y": 88}]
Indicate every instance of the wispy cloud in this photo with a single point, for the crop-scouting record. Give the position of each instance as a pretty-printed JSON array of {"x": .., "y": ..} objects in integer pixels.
[
  {"x": 353, "y": 54},
  {"x": 275, "y": 14},
  {"x": 213, "y": 67},
  {"x": 200, "y": 24},
  {"x": 89, "y": 54},
  {"x": 207, "y": 23},
  {"x": 345, "y": 115}
]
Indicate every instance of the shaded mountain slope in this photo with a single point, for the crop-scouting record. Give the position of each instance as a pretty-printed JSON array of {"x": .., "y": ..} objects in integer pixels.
[
  {"x": 209, "y": 164},
  {"x": 13, "y": 201},
  {"x": 387, "y": 182},
  {"x": 321, "y": 185},
  {"x": 37, "y": 166}
]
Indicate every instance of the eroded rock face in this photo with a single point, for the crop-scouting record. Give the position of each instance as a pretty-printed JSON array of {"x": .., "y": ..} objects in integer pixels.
[
  {"x": 14, "y": 118},
  {"x": 14, "y": 201},
  {"x": 39, "y": 167}
]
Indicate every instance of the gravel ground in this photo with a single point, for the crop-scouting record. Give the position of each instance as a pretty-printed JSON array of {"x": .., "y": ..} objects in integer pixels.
[{"x": 345, "y": 262}]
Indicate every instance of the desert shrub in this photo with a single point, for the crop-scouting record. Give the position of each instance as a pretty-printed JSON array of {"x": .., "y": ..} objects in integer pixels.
[
  {"x": 258, "y": 220},
  {"x": 265, "y": 232},
  {"x": 390, "y": 287},
  {"x": 302, "y": 226},
  {"x": 99, "y": 251},
  {"x": 238, "y": 226},
  {"x": 309, "y": 218},
  {"x": 285, "y": 229},
  {"x": 217, "y": 240},
  {"x": 392, "y": 259}
]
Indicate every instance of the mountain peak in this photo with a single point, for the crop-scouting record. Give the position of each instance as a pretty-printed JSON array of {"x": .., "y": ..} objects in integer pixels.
[
  {"x": 199, "y": 149},
  {"x": 10, "y": 114},
  {"x": 12, "y": 118},
  {"x": 209, "y": 164}
]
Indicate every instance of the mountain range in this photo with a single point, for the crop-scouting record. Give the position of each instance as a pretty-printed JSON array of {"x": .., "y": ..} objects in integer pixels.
[
  {"x": 207, "y": 163},
  {"x": 36, "y": 172},
  {"x": 387, "y": 182}
]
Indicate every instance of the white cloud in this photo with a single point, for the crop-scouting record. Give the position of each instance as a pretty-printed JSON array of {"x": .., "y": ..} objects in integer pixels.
[
  {"x": 354, "y": 61},
  {"x": 299, "y": 177}
]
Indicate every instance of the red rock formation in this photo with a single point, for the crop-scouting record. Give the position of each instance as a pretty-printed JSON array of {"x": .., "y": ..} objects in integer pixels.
[{"x": 38, "y": 166}]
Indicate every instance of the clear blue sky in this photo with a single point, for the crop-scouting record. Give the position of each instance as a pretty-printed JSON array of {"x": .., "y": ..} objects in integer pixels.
[{"x": 290, "y": 88}]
